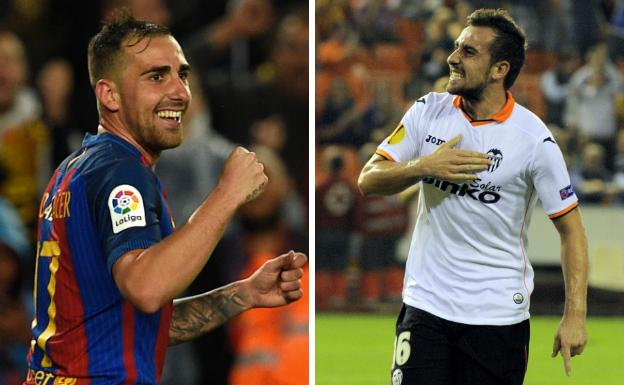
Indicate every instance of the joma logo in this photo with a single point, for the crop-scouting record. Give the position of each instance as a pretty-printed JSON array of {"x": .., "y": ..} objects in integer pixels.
[{"x": 434, "y": 140}]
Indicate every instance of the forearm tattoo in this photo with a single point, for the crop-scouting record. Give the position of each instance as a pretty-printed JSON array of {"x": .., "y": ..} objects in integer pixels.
[
  {"x": 195, "y": 316},
  {"x": 254, "y": 193}
]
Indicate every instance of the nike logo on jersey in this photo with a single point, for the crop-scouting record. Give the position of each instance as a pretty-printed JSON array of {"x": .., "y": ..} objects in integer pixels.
[
  {"x": 549, "y": 139},
  {"x": 421, "y": 100}
]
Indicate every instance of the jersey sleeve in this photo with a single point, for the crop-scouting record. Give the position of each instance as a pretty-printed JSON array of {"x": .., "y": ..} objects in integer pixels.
[
  {"x": 551, "y": 180},
  {"x": 404, "y": 142},
  {"x": 127, "y": 208}
]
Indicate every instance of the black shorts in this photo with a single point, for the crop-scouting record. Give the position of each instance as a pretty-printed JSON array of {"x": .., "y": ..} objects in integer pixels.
[{"x": 430, "y": 350}]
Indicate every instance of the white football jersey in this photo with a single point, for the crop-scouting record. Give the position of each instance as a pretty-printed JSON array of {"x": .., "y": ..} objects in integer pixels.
[{"x": 467, "y": 261}]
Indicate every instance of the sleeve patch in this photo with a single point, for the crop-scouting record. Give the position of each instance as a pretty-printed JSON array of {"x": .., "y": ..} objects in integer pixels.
[
  {"x": 397, "y": 136},
  {"x": 566, "y": 192},
  {"x": 125, "y": 204}
]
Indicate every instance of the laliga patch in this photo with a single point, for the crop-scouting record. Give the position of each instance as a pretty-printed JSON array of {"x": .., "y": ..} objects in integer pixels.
[
  {"x": 566, "y": 192},
  {"x": 397, "y": 135},
  {"x": 397, "y": 377},
  {"x": 126, "y": 208}
]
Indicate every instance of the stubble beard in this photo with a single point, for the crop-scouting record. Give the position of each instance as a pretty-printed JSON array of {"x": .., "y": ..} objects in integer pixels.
[
  {"x": 165, "y": 140},
  {"x": 159, "y": 139},
  {"x": 474, "y": 93}
]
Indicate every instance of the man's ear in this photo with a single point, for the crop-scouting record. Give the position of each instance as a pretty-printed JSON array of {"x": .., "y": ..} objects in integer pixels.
[
  {"x": 107, "y": 94},
  {"x": 500, "y": 70}
]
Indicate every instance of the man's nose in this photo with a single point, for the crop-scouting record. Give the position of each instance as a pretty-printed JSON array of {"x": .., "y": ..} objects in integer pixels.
[
  {"x": 181, "y": 90},
  {"x": 453, "y": 58}
]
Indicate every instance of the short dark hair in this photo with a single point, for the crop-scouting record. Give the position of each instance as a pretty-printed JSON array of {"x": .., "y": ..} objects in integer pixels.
[
  {"x": 510, "y": 41},
  {"x": 105, "y": 47}
]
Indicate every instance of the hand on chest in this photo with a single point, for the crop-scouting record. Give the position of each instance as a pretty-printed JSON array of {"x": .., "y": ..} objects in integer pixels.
[{"x": 508, "y": 152}]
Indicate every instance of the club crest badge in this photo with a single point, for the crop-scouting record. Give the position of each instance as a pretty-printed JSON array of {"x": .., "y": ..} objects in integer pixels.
[{"x": 496, "y": 157}]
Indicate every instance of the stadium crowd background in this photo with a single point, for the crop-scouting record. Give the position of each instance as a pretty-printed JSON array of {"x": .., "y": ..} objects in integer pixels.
[
  {"x": 250, "y": 87},
  {"x": 375, "y": 58}
]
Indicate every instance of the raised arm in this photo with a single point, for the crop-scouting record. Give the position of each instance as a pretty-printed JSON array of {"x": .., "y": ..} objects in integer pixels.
[
  {"x": 152, "y": 277},
  {"x": 276, "y": 283},
  {"x": 571, "y": 336},
  {"x": 385, "y": 177}
]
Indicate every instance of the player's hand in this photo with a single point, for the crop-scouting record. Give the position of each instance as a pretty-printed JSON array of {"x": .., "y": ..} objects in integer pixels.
[
  {"x": 449, "y": 163},
  {"x": 570, "y": 339},
  {"x": 278, "y": 281},
  {"x": 243, "y": 176}
]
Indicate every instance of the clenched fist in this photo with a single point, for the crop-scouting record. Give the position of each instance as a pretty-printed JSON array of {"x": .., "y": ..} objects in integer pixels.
[
  {"x": 243, "y": 176},
  {"x": 277, "y": 282}
]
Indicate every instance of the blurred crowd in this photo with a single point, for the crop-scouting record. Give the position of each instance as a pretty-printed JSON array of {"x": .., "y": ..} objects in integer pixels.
[
  {"x": 374, "y": 58},
  {"x": 250, "y": 88}
]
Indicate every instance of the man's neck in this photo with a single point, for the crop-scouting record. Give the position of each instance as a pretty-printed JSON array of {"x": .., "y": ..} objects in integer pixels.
[
  {"x": 109, "y": 127},
  {"x": 491, "y": 103}
]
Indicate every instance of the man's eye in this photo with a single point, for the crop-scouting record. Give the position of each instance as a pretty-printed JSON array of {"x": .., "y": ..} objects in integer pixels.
[
  {"x": 156, "y": 77},
  {"x": 183, "y": 75}
]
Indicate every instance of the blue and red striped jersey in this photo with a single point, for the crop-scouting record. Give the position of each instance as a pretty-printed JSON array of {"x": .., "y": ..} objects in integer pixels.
[{"x": 102, "y": 201}]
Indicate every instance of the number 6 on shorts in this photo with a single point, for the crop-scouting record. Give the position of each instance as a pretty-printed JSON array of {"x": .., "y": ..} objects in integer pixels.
[{"x": 402, "y": 348}]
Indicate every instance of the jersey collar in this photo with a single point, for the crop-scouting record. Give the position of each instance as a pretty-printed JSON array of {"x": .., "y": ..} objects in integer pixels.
[
  {"x": 500, "y": 117},
  {"x": 92, "y": 139}
]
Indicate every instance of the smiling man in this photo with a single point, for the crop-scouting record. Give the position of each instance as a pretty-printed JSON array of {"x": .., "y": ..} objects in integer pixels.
[
  {"x": 482, "y": 161},
  {"x": 108, "y": 261}
]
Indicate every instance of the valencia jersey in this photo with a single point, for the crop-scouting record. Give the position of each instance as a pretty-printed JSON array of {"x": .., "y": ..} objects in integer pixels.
[
  {"x": 102, "y": 201},
  {"x": 468, "y": 261}
]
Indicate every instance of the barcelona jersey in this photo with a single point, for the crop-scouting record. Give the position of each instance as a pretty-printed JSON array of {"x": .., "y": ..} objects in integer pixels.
[{"x": 102, "y": 201}]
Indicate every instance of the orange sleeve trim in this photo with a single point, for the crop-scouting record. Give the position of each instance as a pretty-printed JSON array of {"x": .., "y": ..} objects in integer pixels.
[
  {"x": 384, "y": 154},
  {"x": 564, "y": 211}
]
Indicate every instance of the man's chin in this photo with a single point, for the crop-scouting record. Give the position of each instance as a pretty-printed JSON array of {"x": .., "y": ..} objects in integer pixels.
[
  {"x": 470, "y": 94},
  {"x": 451, "y": 90},
  {"x": 455, "y": 86},
  {"x": 169, "y": 141},
  {"x": 172, "y": 143}
]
